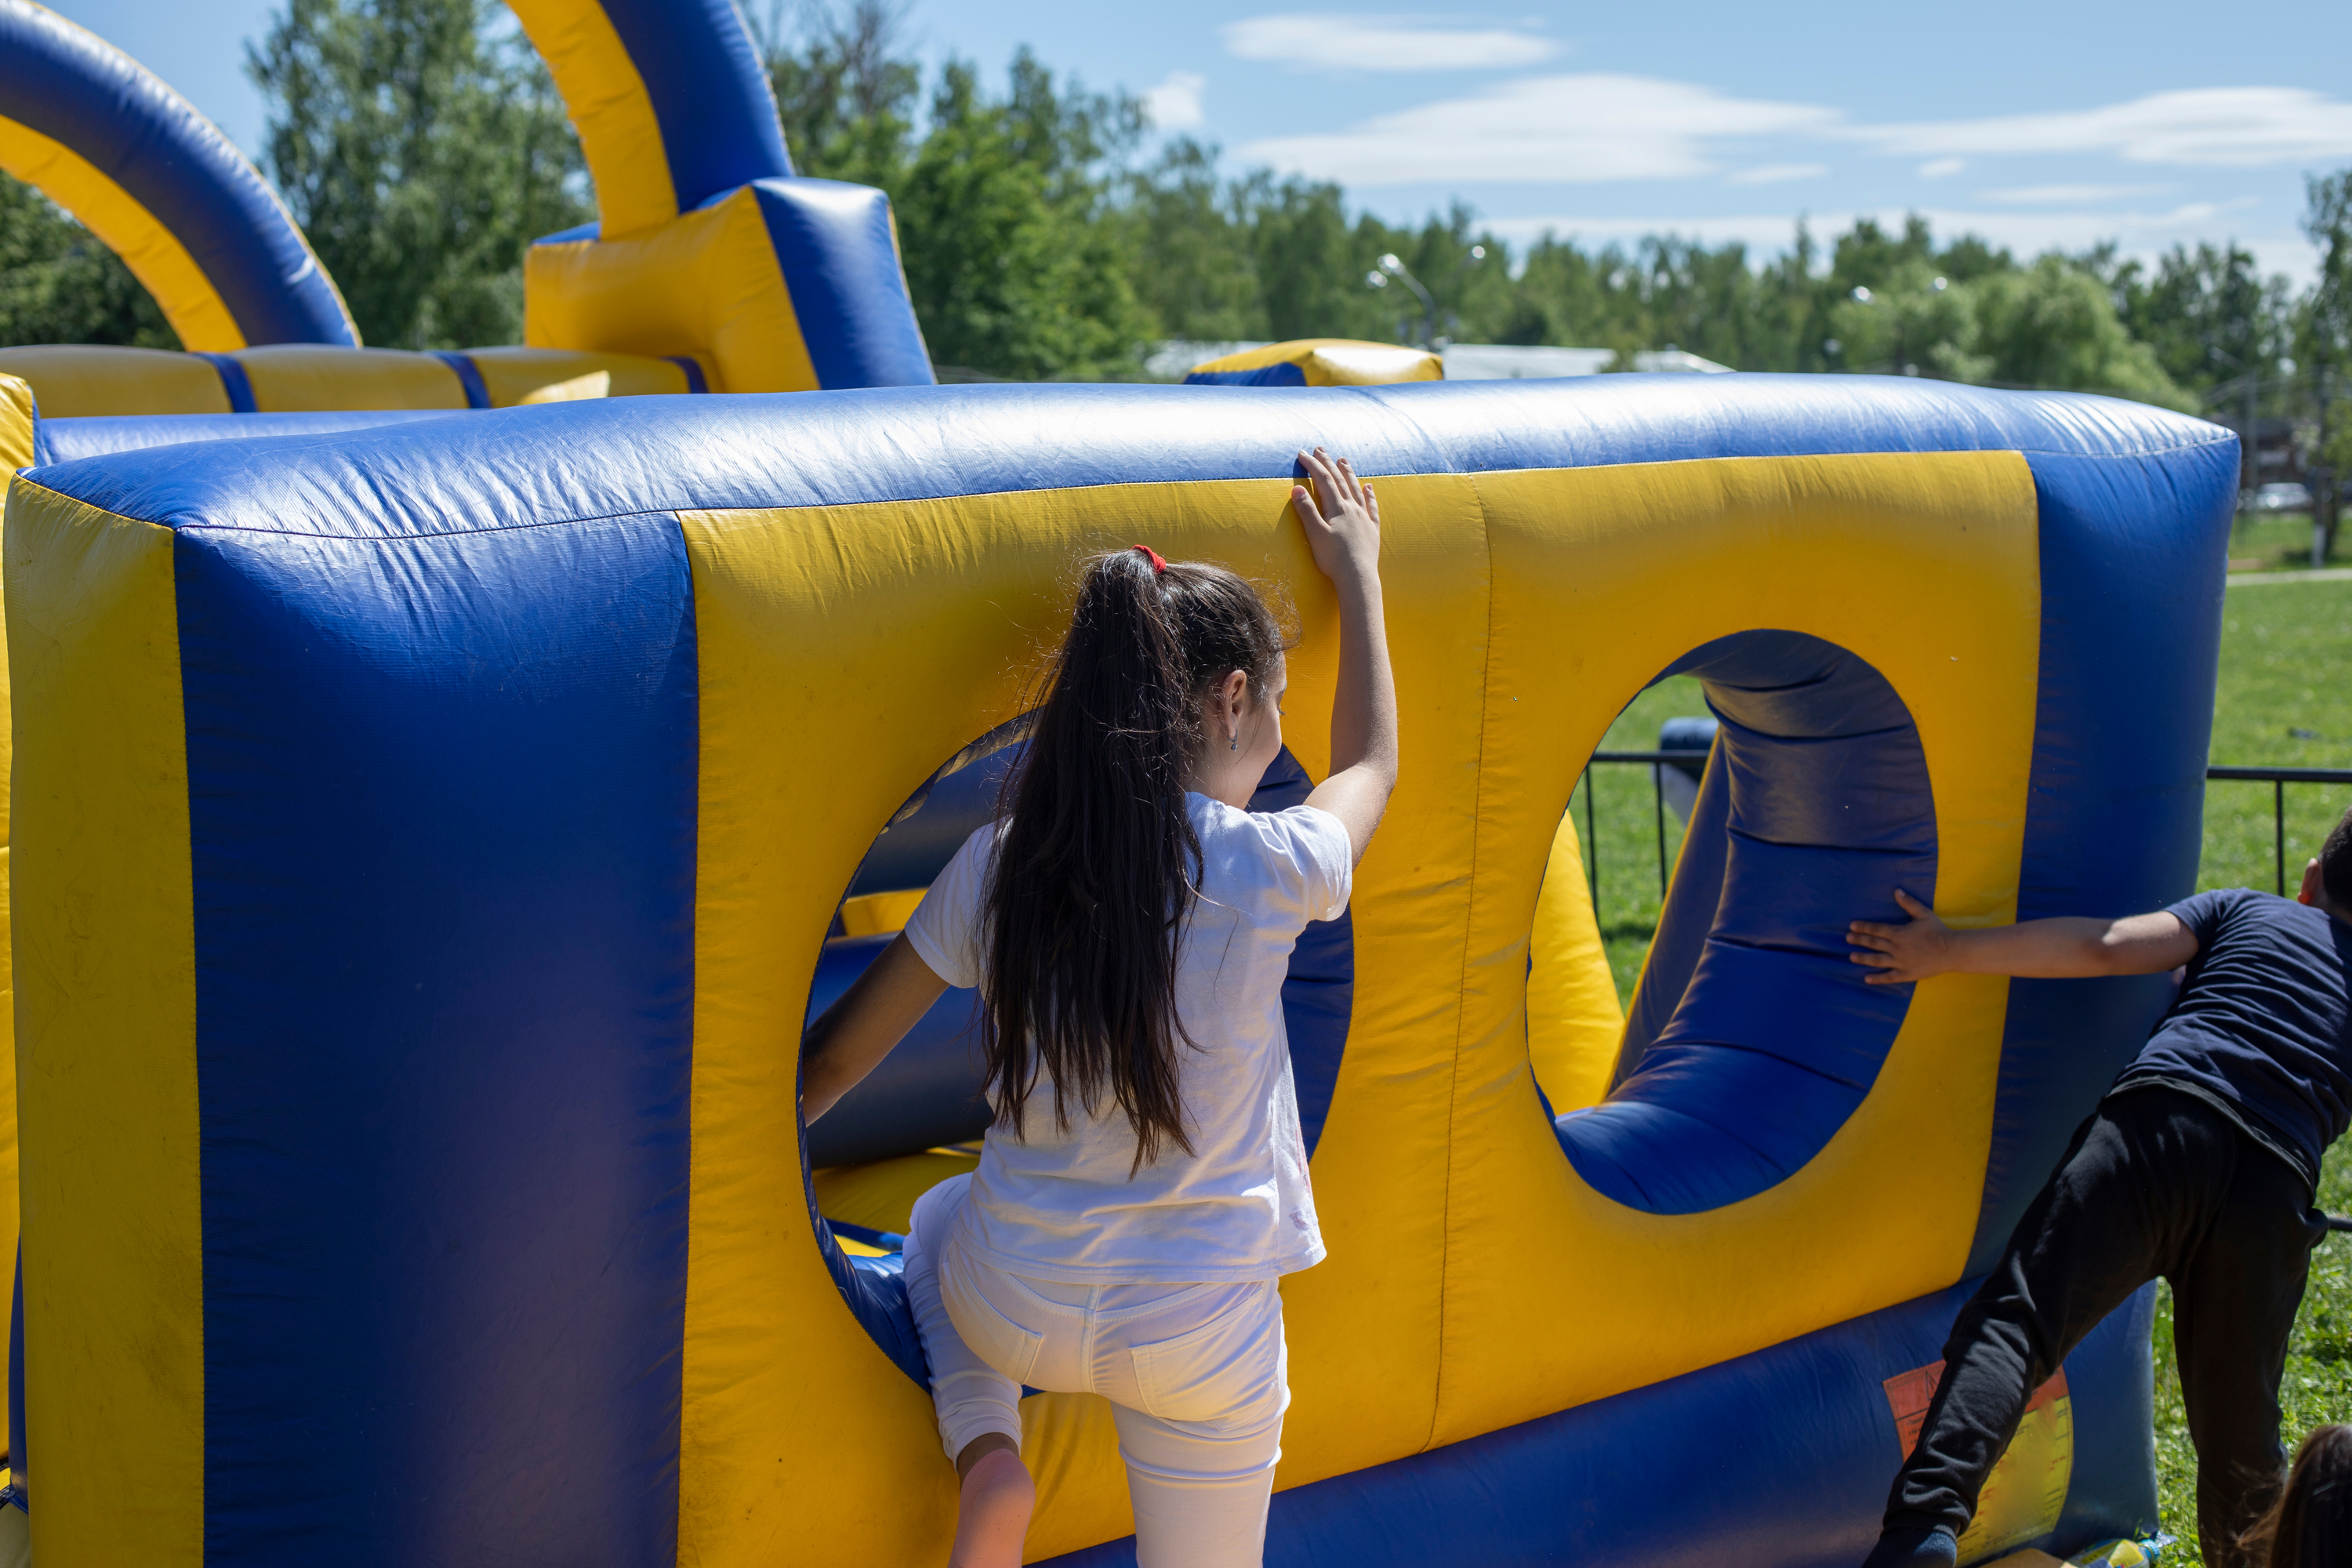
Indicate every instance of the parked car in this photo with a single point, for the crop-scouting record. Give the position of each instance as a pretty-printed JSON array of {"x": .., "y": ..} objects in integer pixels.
[{"x": 2281, "y": 496}]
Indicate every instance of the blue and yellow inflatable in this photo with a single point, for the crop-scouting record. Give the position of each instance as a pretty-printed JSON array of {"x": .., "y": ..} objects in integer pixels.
[
  {"x": 712, "y": 267},
  {"x": 427, "y": 838}
]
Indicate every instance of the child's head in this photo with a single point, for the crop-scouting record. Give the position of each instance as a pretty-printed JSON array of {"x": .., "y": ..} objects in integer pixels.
[
  {"x": 2335, "y": 866},
  {"x": 2310, "y": 1525},
  {"x": 1153, "y": 645},
  {"x": 1169, "y": 675}
]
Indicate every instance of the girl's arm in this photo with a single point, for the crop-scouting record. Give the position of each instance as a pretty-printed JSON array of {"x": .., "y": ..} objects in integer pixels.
[
  {"x": 2064, "y": 948},
  {"x": 1343, "y": 520},
  {"x": 850, "y": 1038}
]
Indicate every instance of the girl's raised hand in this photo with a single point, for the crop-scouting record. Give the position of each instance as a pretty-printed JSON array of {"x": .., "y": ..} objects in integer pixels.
[{"x": 1341, "y": 516}]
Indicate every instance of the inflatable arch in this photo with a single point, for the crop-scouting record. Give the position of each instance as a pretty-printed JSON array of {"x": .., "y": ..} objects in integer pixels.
[
  {"x": 427, "y": 838},
  {"x": 104, "y": 138},
  {"x": 711, "y": 268}
]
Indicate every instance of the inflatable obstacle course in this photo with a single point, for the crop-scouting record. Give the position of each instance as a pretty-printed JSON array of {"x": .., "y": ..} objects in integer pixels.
[
  {"x": 712, "y": 267},
  {"x": 428, "y": 840}
]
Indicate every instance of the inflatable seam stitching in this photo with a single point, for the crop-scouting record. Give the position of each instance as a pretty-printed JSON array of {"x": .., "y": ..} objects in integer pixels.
[{"x": 1469, "y": 916}]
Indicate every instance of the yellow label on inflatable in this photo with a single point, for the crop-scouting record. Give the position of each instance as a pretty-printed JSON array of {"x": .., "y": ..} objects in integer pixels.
[{"x": 2027, "y": 1490}]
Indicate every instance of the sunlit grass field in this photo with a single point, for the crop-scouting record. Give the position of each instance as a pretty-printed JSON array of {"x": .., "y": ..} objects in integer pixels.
[{"x": 2284, "y": 699}]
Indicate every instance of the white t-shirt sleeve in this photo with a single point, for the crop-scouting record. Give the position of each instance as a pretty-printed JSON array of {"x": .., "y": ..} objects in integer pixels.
[
  {"x": 944, "y": 930},
  {"x": 1313, "y": 854}
]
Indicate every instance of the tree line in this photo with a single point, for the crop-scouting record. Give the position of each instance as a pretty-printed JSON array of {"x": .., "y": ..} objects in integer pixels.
[{"x": 422, "y": 147}]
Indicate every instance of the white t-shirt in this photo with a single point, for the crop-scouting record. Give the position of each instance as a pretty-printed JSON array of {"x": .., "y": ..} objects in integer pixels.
[{"x": 1056, "y": 1204}]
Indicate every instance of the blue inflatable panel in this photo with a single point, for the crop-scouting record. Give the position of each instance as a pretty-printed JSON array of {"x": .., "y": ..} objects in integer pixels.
[
  {"x": 1590, "y": 1484},
  {"x": 1283, "y": 374},
  {"x": 64, "y": 441},
  {"x": 2124, "y": 546},
  {"x": 522, "y": 1313},
  {"x": 711, "y": 97},
  {"x": 849, "y": 295},
  {"x": 73, "y": 88},
  {"x": 235, "y": 385},
  {"x": 470, "y": 376},
  {"x": 20, "y": 1467}
]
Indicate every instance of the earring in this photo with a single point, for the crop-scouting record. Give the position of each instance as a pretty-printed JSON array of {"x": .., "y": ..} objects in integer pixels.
[{"x": 1233, "y": 742}]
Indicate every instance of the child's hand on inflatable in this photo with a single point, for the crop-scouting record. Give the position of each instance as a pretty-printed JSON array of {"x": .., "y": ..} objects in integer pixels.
[
  {"x": 1906, "y": 952},
  {"x": 1341, "y": 516}
]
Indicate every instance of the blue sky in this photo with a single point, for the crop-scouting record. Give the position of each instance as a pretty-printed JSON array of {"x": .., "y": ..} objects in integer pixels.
[{"x": 2033, "y": 124}]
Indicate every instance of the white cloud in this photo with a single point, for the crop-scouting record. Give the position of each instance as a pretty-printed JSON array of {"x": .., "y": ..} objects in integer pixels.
[
  {"x": 2227, "y": 126},
  {"x": 1343, "y": 43},
  {"x": 2069, "y": 196},
  {"x": 1564, "y": 129},
  {"x": 1175, "y": 103},
  {"x": 1774, "y": 173},
  {"x": 1939, "y": 168}
]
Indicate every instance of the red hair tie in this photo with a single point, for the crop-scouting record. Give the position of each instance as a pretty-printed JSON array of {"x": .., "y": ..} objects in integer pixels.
[{"x": 1159, "y": 564}]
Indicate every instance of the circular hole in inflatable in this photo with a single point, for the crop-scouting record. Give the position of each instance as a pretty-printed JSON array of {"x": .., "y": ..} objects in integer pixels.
[
  {"x": 917, "y": 1119},
  {"x": 1752, "y": 1037}
]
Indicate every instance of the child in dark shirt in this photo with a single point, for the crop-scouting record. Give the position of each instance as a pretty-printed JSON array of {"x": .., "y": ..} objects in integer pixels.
[{"x": 2198, "y": 1167}]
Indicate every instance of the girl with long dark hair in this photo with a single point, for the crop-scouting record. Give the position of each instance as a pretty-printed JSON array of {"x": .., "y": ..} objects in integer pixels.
[
  {"x": 1128, "y": 923},
  {"x": 2310, "y": 1525}
]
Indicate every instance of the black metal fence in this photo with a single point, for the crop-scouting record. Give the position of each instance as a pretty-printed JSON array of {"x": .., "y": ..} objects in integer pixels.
[{"x": 2277, "y": 778}]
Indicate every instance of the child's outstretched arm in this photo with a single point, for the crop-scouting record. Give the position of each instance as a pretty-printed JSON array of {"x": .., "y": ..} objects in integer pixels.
[
  {"x": 2066, "y": 947},
  {"x": 850, "y": 1038},
  {"x": 1343, "y": 520}
]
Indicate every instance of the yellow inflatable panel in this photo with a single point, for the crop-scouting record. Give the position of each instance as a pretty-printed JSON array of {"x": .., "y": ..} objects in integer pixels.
[
  {"x": 114, "y": 1388},
  {"x": 620, "y": 135},
  {"x": 520, "y": 376},
  {"x": 881, "y": 1195},
  {"x": 74, "y": 380},
  {"x": 17, "y": 414},
  {"x": 304, "y": 378},
  {"x": 1574, "y": 1021},
  {"x": 707, "y": 284}
]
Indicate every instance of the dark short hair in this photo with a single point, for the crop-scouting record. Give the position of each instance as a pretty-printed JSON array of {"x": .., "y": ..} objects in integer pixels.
[{"x": 2336, "y": 863}]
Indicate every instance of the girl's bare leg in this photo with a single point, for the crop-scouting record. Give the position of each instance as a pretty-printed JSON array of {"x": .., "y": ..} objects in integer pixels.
[{"x": 993, "y": 1515}]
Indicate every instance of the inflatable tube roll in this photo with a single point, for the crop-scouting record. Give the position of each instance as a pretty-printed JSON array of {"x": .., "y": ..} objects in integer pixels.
[
  {"x": 80, "y": 381},
  {"x": 65, "y": 440},
  {"x": 157, "y": 183},
  {"x": 301, "y": 379}
]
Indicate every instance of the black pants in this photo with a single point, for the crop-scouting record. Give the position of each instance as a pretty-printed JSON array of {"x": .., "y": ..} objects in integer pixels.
[{"x": 2157, "y": 1183}]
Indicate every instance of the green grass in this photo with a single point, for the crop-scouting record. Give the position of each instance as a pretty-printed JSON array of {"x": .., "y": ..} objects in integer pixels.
[
  {"x": 1625, "y": 810},
  {"x": 2278, "y": 540},
  {"x": 2283, "y": 699}
]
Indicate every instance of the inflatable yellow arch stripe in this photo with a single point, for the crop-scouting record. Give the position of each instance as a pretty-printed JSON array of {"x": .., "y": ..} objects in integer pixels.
[
  {"x": 619, "y": 133},
  {"x": 152, "y": 252}
]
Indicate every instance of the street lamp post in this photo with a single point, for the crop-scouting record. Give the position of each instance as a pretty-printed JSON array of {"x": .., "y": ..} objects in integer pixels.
[{"x": 1390, "y": 267}]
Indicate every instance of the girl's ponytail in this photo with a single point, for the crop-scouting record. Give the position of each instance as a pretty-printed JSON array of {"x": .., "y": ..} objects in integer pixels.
[{"x": 1097, "y": 869}]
